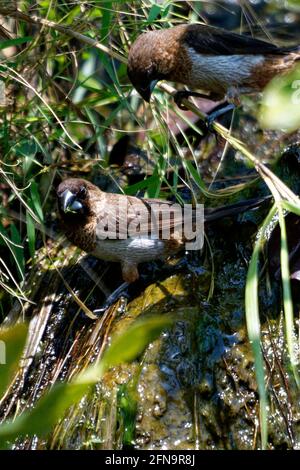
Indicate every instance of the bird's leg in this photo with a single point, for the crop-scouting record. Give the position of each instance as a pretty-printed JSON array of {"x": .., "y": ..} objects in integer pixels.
[
  {"x": 130, "y": 290},
  {"x": 233, "y": 95},
  {"x": 181, "y": 95},
  {"x": 218, "y": 111},
  {"x": 130, "y": 274},
  {"x": 121, "y": 291}
]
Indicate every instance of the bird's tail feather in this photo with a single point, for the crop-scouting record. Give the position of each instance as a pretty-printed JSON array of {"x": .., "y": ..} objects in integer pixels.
[{"x": 234, "y": 209}]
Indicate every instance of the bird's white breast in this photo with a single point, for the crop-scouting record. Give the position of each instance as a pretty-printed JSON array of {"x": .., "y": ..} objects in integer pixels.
[{"x": 137, "y": 249}]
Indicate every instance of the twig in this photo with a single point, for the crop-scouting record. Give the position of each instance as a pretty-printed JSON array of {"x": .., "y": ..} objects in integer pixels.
[
  {"x": 265, "y": 173},
  {"x": 33, "y": 19}
]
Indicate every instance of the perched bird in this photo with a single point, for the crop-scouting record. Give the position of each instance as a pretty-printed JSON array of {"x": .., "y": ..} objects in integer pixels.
[
  {"x": 115, "y": 227},
  {"x": 220, "y": 63}
]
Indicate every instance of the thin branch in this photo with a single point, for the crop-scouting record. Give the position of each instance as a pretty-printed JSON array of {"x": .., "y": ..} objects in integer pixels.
[
  {"x": 264, "y": 172},
  {"x": 33, "y": 19}
]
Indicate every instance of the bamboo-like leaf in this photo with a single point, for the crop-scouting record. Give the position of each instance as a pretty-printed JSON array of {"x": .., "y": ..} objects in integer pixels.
[
  {"x": 132, "y": 343},
  {"x": 253, "y": 327},
  {"x": 36, "y": 201},
  {"x": 287, "y": 297},
  {"x": 51, "y": 407},
  {"x": 30, "y": 234},
  {"x": 12, "y": 343},
  {"x": 45, "y": 414},
  {"x": 14, "y": 42}
]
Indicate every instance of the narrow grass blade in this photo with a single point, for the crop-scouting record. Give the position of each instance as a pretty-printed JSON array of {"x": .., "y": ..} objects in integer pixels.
[
  {"x": 253, "y": 328},
  {"x": 287, "y": 297}
]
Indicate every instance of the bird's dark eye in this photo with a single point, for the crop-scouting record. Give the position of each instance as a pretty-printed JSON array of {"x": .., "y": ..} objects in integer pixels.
[
  {"x": 82, "y": 192},
  {"x": 150, "y": 72}
]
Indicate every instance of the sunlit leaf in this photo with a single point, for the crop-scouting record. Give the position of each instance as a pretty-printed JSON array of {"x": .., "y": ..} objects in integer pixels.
[
  {"x": 45, "y": 414},
  {"x": 287, "y": 297},
  {"x": 293, "y": 4},
  {"x": 12, "y": 343},
  {"x": 51, "y": 407},
  {"x": 127, "y": 346},
  {"x": 134, "y": 340},
  {"x": 291, "y": 207},
  {"x": 280, "y": 107},
  {"x": 253, "y": 328}
]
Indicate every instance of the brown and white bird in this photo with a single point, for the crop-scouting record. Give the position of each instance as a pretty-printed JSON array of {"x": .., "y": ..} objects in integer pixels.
[
  {"x": 220, "y": 63},
  {"x": 116, "y": 227}
]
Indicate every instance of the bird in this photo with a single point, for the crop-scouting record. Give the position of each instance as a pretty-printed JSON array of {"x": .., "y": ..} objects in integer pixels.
[
  {"x": 117, "y": 227},
  {"x": 222, "y": 64}
]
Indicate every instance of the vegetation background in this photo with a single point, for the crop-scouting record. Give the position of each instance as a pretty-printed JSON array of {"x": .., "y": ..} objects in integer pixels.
[{"x": 67, "y": 109}]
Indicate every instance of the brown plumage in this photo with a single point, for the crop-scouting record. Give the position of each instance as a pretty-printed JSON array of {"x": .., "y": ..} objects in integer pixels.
[
  {"x": 95, "y": 210},
  {"x": 90, "y": 215},
  {"x": 218, "y": 62}
]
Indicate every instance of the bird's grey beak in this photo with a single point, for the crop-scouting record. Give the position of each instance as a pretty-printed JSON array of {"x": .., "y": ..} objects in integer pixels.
[
  {"x": 153, "y": 85},
  {"x": 69, "y": 203},
  {"x": 147, "y": 92}
]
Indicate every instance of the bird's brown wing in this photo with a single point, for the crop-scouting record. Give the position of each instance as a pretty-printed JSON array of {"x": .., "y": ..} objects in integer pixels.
[
  {"x": 126, "y": 216},
  {"x": 210, "y": 40},
  {"x": 166, "y": 217},
  {"x": 130, "y": 216}
]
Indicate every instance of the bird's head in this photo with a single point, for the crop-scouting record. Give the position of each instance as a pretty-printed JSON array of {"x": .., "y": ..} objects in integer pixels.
[
  {"x": 144, "y": 65},
  {"x": 73, "y": 196}
]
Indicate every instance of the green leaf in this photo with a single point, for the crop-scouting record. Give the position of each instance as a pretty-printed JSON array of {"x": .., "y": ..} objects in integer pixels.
[
  {"x": 127, "y": 405},
  {"x": 293, "y": 4},
  {"x": 287, "y": 297},
  {"x": 291, "y": 206},
  {"x": 35, "y": 199},
  {"x": 129, "y": 345},
  {"x": 72, "y": 15},
  {"x": 155, "y": 10},
  {"x": 49, "y": 409},
  {"x": 17, "y": 249},
  {"x": 280, "y": 107},
  {"x": 30, "y": 233},
  {"x": 106, "y": 20},
  {"x": 12, "y": 342},
  {"x": 144, "y": 184},
  {"x": 195, "y": 175},
  {"x": 27, "y": 150},
  {"x": 14, "y": 244},
  {"x": 253, "y": 327},
  {"x": 14, "y": 42}
]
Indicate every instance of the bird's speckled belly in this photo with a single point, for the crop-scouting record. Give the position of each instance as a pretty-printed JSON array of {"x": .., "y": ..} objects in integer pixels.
[{"x": 219, "y": 73}]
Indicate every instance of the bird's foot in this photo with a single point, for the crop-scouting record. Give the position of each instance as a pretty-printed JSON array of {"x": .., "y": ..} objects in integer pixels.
[
  {"x": 218, "y": 111},
  {"x": 233, "y": 95},
  {"x": 121, "y": 291},
  {"x": 129, "y": 290},
  {"x": 181, "y": 95}
]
